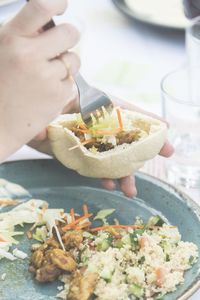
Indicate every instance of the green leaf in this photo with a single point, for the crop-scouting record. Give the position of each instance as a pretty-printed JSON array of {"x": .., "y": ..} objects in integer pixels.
[
  {"x": 40, "y": 234},
  {"x": 103, "y": 214}
]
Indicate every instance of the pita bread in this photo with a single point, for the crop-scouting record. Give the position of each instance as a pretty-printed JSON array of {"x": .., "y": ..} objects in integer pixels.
[{"x": 121, "y": 161}]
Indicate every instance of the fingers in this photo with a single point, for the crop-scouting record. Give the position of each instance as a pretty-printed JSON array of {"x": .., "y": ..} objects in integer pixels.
[
  {"x": 57, "y": 69},
  {"x": 67, "y": 85},
  {"x": 108, "y": 184},
  {"x": 63, "y": 67},
  {"x": 167, "y": 150},
  {"x": 71, "y": 62},
  {"x": 35, "y": 15},
  {"x": 57, "y": 40},
  {"x": 127, "y": 186}
]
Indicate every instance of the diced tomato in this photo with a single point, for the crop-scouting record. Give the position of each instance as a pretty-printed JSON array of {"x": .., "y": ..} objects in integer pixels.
[
  {"x": 142, "y": 241},
  {"x": 160, "y": 275}
]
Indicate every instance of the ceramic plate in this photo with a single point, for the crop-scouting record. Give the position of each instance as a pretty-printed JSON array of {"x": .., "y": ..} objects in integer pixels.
[
  {"x": 47, "y": 179},
  {"x": 6, "y": 2},
  {"x": 156, "y": 12}
]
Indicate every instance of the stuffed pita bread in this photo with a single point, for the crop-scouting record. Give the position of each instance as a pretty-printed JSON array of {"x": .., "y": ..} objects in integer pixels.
[{"x": 115, "y": 146}]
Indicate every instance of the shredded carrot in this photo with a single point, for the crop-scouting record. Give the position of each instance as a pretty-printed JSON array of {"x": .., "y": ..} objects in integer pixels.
[
  {"x": 72, "y": 214},
  {"x": 29, "y": 235},
  {"x": 2, "y": 240},
  {"x": 119, "y": 118},
  {"x": 85, "y": 209},
  {"x": 86, "y": 224},
  {"x": 108, "y": 132},
  {"x": 115, "y": 226},
  {"x": 77, "y": 221},
  {"x": 83, "y": 130},
  {"x": 83, "y": 126},
  {"x": 142, "y": 241},
  {"x": 8, "y": 202}
]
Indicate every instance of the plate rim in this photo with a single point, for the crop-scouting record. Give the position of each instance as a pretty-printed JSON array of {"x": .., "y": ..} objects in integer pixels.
[
  {"x": 7, "y": 2},
  {"x": 195, "y": 286},
  {"x": 123, "y": 8}
]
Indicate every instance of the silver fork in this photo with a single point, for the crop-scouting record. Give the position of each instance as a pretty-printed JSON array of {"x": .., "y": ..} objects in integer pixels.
[{"x": 91, "y": 101}]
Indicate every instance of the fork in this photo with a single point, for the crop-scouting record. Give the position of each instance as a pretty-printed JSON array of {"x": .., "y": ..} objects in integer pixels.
[{"x": 91, "y": 100}]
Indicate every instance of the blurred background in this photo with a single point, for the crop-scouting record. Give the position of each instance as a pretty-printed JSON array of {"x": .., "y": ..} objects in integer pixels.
[{"x": 127, "y": 46}]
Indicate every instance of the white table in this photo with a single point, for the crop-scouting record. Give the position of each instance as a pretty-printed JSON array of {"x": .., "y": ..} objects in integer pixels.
[{"x": 126, "y": 59}]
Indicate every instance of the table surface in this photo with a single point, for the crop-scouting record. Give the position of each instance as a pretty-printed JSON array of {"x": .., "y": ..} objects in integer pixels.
[{"x": 124, "y": 57}]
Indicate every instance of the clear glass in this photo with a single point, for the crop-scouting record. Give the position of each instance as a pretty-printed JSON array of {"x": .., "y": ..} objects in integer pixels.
[
  {"x": 184, "y": 133},
  {"x": 193, "y": 58}
]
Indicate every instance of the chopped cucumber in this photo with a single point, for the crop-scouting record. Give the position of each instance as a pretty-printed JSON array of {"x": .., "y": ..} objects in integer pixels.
[
  {"x": 118, "y": 244},
  {"x": 126, "y": 239},
  {"x": 155, "y": 221},
  {"x": 136, "y": 290},
  {"x": 135, "y": 234},
  {"x": 138, "y": 232},
  {"x": 141, "y": 260},
  {"x": 106, "y": 274},
  {"x": 88, "y": 235},
  {"x": 134, "y": 239},
  {"x": 192, "y": 260},
  {"x": 84, "y": 259},
  {"x": 166, "y": 246},
  {"x": 104, "y": 245},
  {"x": 167, "y": 258}
]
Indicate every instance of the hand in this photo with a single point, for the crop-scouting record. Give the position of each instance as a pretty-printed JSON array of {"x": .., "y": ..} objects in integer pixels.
[
  {"x": 127, "y": 184},
  {"x": 34, "y": 76}
]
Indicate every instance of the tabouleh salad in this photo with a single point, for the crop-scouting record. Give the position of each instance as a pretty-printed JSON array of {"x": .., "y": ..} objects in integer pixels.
[{"x": 118, "y": 262}]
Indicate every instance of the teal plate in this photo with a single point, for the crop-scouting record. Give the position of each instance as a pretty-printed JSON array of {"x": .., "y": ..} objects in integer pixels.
[{"x": 63, "y": 188}]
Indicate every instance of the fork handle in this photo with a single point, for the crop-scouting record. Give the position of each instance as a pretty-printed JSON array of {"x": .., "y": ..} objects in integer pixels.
[{"x": 81, "y": 83}]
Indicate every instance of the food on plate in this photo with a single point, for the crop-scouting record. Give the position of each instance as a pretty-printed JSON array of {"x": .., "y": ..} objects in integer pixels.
[
  {"x": 165, "y": 13},
  {"x": 114, "y": 146},
  {"x": 136, "y": 261},
  {"x": 95, "y": 259}
]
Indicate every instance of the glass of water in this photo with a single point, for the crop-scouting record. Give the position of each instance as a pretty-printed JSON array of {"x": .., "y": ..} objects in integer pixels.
[
  {"x": 183, "y": 114},
  {"x": 193, "y": 58}
]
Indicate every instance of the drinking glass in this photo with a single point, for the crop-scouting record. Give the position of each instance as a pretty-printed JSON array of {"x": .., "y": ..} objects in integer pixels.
[
  {"x": 193, "y": 58},
  {"x": 183, "y": 115}
]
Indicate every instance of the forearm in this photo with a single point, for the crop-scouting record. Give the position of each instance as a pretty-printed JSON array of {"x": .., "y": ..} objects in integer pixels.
[
  {"x": 192, "y": 8},
  {"x": 14, "y": 132}
]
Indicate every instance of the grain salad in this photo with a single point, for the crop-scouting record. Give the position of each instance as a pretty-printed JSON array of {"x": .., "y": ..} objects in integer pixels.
[
  {"x": 94, "y": 258},
  {"x": 144, "y": 262}
]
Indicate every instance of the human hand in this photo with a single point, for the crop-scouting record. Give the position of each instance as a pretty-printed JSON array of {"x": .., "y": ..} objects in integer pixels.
[
  {"x": 34, "y": 77},
  {"x": 126, "y": 184}
]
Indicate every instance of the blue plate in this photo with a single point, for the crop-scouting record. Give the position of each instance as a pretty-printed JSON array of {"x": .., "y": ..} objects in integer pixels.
[{"x": 62, "y": 188}]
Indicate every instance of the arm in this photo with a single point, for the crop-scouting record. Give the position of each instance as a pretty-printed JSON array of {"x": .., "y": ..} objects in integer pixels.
[
  {"x": 34, "y": 81},
  {"x": 192, "y": 8}
]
